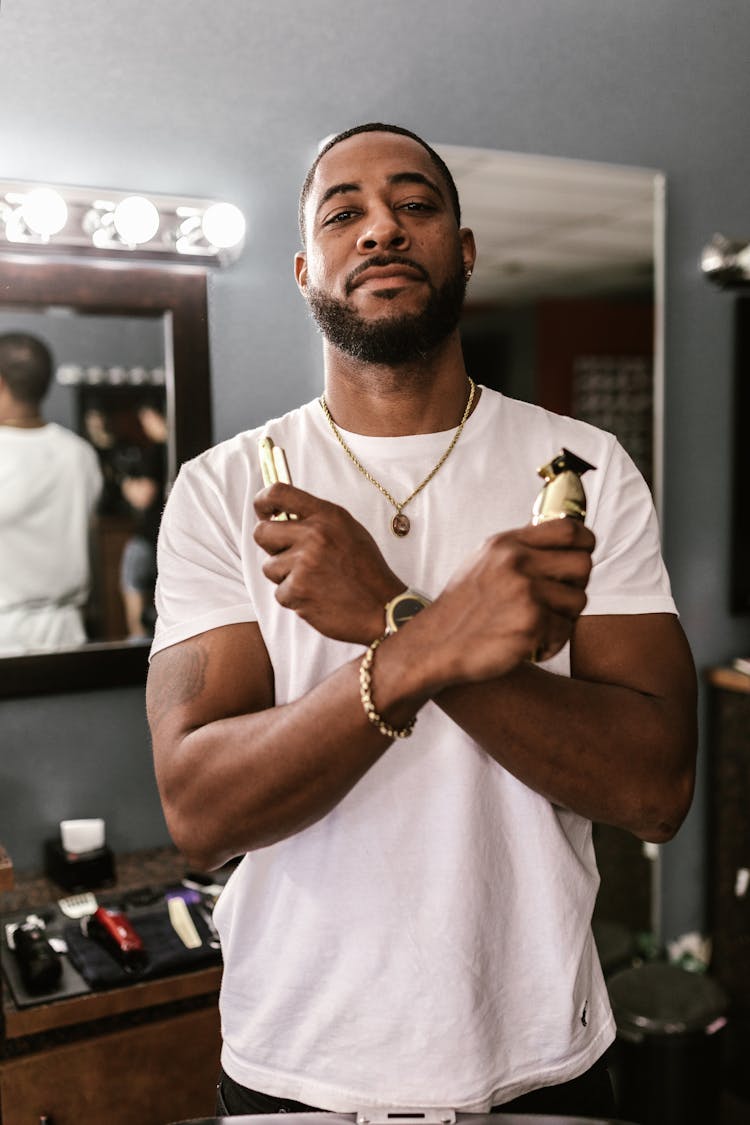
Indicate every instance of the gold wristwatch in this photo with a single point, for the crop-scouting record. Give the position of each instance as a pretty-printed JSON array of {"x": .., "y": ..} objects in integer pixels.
[{"x": 402, "y": 608}]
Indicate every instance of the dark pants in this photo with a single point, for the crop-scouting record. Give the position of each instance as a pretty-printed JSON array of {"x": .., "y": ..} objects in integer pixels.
[{"x": 590, "y": 1095}]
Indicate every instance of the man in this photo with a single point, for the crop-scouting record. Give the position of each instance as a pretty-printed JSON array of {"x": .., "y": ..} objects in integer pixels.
[
  {"x": 50, "y": 484},
  {"x": 410, "y": 924},
  {"x": 143, "y": 489}
]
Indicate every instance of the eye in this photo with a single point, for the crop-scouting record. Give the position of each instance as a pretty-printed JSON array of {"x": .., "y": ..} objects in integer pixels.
[
  {"x": 416, "y": 205},
  {"x": 339, "y": 217}
]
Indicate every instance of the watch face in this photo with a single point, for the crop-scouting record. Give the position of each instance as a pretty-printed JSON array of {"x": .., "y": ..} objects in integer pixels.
[{"x": 404, "y": 609}]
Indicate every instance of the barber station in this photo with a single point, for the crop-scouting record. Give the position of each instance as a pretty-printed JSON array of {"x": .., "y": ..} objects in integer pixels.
[{"x": 374, "y": 564}]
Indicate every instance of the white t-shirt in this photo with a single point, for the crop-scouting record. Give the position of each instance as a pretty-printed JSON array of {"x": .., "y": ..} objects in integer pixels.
[
  {"x": 50, "y": 483},
  {"x": 428, "y": 942}
]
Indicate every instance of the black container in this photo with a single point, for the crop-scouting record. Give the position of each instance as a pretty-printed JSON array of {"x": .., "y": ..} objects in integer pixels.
[
  {"x": 78, "y": 871},
  {"x": 667, "y": 1061}
]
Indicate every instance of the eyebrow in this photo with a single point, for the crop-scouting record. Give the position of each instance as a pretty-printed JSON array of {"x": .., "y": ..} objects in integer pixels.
[{"x": 395, "y": 179}]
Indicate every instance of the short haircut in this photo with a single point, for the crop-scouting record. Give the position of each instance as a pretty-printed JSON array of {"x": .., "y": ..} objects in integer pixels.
[
  {"x": 26, "y": 367},
  {"x": 378, "y": 127}
]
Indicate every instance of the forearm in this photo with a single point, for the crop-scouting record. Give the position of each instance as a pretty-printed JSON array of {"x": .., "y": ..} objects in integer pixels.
[
  {"x": 615, "y": 741},
  {"x": 243, "y": 782},
  {"x": 610, "y": 753}
]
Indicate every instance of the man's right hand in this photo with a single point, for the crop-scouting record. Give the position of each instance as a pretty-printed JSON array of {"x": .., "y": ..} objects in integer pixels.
[{"x": 327, "y": 567}]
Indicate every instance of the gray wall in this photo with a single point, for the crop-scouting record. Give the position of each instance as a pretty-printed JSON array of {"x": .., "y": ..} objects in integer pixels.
[
  {"x": 80, "y": 755},
  {"x": 228, "y": 100}
]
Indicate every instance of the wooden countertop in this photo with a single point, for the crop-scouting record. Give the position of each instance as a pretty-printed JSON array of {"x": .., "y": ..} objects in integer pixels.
[
  {"x": 112, "y": 1002},
  {"x": 6, "y": 871}
]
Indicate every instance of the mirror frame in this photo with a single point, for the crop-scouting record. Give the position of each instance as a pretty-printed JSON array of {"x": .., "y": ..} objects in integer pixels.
[{"x": 179, "y": 297}]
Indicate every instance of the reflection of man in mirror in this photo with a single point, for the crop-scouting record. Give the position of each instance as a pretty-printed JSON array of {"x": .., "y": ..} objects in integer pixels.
[
  {"x": 50, "y": 482},
  {"x": 405, "y": 707},
  {"x": 143, "y": 490}
]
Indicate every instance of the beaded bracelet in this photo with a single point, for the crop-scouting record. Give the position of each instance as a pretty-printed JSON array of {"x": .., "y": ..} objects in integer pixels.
[{"x": 365, "y": 694}]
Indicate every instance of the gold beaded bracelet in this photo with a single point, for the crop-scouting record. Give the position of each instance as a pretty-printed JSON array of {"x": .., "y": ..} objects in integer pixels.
[{"x": 365, "y": 694}]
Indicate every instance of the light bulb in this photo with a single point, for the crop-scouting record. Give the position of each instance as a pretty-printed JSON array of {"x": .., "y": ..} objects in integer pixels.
[
  {"x": 44, "y": 211},
  {"x": 223, "y": 225},
  {"x": 136, "y": 220}
]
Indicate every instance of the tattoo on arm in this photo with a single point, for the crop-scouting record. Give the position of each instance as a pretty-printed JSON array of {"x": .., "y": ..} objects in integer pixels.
[{"x": 177, "y": 680}]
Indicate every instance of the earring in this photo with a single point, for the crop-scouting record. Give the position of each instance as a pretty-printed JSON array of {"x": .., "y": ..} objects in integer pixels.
[{"x": 467, "y": 273}]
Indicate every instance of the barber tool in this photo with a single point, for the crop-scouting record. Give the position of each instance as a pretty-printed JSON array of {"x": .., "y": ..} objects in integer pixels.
[
  {"x": 78, "y": 906},
  {"x": 207, "y": 886},
  {"x": 190, "y": 895},
  {"x": 207, "y": 893},
  {"x": 39, "y": 964},
  {"x": 274, "y": 467},
  {"x": 182, "y": 923},
  {"x": 562, "y": 494},
  {"x": 114, "y": 931}
]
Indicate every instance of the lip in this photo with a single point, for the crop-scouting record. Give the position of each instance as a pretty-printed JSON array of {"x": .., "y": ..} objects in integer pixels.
[{"x": 395, "y": 272}]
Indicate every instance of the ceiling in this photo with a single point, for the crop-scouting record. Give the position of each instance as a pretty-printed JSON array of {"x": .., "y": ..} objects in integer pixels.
[{"x": 551, "y": 227}]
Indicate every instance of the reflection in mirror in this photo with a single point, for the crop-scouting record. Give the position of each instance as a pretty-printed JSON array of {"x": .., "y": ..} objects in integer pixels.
[
  {"x": 132, "y": 380},
  {"x": 562, "y": 306},
  {"x": 58, "y": 584}
]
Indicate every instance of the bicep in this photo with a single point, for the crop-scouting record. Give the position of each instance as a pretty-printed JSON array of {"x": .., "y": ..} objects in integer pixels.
[
  {"x": 645, "y": 652},
  {"x": 216, "y": 675}
]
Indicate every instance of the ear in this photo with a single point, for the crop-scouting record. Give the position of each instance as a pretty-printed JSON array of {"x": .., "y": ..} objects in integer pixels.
[
  {"x": 468, "y": 248},
  {"x": 300, "y": 269}
]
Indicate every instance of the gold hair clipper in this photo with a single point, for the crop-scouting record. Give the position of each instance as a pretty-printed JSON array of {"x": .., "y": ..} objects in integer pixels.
[
  {"x": 562, "y": 494},
  {"x": 274, "y": 467}
]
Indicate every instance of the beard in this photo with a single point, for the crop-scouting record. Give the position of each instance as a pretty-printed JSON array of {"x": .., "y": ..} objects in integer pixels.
[{"x": 391, "y": 341}]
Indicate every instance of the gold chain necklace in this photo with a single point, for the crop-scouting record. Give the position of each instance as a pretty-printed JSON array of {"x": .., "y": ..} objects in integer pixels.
[{"x": 401, "y": 524}]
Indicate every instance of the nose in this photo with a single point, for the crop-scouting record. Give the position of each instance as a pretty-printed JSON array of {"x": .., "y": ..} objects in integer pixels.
[{"x": 383, "y": 231}]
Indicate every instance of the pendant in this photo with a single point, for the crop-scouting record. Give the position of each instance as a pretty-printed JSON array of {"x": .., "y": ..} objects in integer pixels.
[{"x": 400, "y": 525}]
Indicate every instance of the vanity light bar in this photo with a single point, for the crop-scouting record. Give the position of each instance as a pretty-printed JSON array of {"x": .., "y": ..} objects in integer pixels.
[
  {"x": 73, "y": 375},
  {"x": 43, "y": 218}
]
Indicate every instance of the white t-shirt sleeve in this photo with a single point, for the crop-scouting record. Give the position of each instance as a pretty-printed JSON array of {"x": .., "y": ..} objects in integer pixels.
[
  {"x": 200, "y": 582},
  {"x": 628, "y": 575}
]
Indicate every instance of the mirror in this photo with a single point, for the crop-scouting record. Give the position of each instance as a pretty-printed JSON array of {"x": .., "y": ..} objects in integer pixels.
[
  {"x": 564, "y": 306},
  {"x": 565, "y": 309},
  {"x": 108, "y": 386},
  {"x": 123, "y": 336}
]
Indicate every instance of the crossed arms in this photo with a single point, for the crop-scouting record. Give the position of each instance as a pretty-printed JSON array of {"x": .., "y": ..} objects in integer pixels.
[{"x": 615, "y": 742}]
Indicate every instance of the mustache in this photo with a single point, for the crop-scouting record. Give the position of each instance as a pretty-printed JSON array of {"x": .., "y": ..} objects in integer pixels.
[{"x": 382, "y": 261}]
